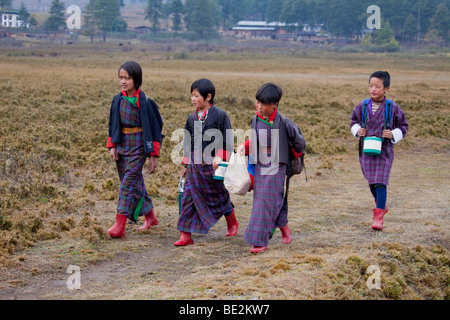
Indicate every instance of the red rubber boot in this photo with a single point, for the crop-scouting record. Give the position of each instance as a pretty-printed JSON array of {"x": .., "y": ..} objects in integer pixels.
[
  {"x": 185, "y": 239},
  {"x": 118, "y": 229},
  {"x": 385, "y": 207},
  {"x": 286, "y": 234},
  {"x": 232, "y": 224},
  {"x": 378, "y": 219},
  {"x": 150, "y": 220}
]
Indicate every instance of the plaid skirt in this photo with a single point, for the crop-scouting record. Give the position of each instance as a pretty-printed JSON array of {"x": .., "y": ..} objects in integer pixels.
[
  {"x": 204, "y": 200},
  {"x": 269, "y": 209},
  {"x": 132, "y": 186}
]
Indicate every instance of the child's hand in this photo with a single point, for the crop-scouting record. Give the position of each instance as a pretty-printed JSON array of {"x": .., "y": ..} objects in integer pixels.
[
  {"x": 216, "y": 162},
  {"x": 183, "y": 172},
  {"x": 152, "y": 164},
  {"x": 113, "y": 153},
  {"x": 387, "y": 134},
  {"x": 362, "y": 132}
]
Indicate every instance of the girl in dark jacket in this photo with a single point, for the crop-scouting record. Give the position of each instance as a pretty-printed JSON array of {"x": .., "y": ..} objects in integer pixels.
[{"x": 135, "y": 126}]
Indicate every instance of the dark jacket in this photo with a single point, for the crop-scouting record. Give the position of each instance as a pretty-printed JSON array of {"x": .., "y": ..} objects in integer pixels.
[
  {"x": 217, "y": 119},
  {"x": 289, "y": 138},
  {"x": 151, "y": 120}
]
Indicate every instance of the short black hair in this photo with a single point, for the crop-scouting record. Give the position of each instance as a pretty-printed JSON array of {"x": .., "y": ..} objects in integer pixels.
[
  {"x": 269, "y": 93},
  {"x": 134, "y": 71},
  {"x": 204, "y": 87},
  {"x": 383, "y": 75}
]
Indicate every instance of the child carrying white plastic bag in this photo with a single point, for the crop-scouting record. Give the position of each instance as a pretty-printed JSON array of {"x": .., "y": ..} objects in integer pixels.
[{"x": 237, "y": 179}]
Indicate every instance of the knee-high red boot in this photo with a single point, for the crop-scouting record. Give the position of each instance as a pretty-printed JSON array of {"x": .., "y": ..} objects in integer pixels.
[
  {"x": 118, "y": 229},
  {"x": 150, "y": 220},
  {"x": 232, "y": 224},
  {"x": 185, "y": 239},
  {"x": 378, "y": 215}
]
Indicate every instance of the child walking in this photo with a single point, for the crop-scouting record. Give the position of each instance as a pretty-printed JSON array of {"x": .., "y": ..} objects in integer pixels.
[
  {"x": 382, "y": 118},
  {"x": 270, "y": 207},
  {"x": 135, "y": 126},
  {"x": 205, "y": 200}
]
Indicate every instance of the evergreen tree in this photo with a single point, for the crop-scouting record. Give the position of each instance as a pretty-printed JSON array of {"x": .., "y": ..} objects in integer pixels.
[
  {"x": 294, "y": 11},
  {"x": 103, "y": 15},
  {"x": 202, "y": 17},
  {"x": 257, "y": 9},
  {"x": 441, "y": 21},
  {"x": 154, "y": 12},
  {"x": 232, "y": 11},
  {"x": 24, "y": 16},
  {"x": 177, "y": 10},
  {"x": 410, "y": 28},
  {"x": 5, "y": 4},
  {"x": 344, "y": 17},
  {"x": 274, "y": 8},
  {"x": 56, "y": 20}
]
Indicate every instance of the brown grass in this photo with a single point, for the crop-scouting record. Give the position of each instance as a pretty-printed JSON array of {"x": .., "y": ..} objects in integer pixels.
[{"x": 58, "y": 186}]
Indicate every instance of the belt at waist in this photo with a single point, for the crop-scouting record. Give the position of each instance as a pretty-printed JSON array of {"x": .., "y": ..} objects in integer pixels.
[{"x": 131, "y": 130}]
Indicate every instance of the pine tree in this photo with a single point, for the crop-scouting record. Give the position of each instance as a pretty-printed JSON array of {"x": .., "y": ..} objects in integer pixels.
[
  {"x": 153, "y": 12},
  {"x": 103, "y": 15},
  {"x": 177, "y": 10},
  {"x": 441, "y": 21},
  {"x": 202, "y": 17},
  {"x": 24, "y": 16},
  {"x": 56, "y": 20}
]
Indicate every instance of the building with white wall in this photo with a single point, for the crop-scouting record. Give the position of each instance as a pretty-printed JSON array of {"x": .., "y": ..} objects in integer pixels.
[{"x": 10, "y": 19}]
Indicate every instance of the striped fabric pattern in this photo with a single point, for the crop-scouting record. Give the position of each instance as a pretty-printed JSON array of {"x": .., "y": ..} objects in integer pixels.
[{"x": 204, "y": 200}]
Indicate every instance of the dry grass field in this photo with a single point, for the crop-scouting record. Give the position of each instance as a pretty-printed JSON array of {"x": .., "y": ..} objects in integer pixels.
[{"x": 58, "y": 186}]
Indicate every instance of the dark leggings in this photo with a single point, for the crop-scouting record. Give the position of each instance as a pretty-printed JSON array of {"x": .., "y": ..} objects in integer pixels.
[{"x": 379, "y": 192}]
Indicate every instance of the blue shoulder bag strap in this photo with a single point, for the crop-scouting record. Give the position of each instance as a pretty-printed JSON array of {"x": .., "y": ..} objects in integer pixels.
[
  {"x": 388, "y": 114},
  {"x": 365, "y": 111},
  {"x": 387, "y": 118}
]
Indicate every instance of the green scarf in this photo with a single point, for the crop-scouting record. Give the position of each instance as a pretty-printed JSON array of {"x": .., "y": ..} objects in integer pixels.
[{"x": 132, "y": 100}]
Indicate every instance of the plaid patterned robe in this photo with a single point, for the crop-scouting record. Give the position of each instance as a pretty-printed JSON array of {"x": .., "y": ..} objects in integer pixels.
[
  {"x": 377, "y": 169},
  {"x": 269, "y": 206},
  {"x": 204, "y": 200},
  {"x": 129, "y": 166}
]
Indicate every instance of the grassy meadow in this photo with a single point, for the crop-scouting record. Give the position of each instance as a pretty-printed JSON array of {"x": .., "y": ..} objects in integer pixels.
[{"x": 59, "y": 187}]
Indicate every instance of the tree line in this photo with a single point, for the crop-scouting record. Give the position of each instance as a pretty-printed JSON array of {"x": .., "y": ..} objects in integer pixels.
[{"x": 410, "y": 20}]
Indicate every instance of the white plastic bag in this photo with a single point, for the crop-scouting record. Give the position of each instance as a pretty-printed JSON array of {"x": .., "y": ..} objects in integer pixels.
[{"x": 237, "y": 179}]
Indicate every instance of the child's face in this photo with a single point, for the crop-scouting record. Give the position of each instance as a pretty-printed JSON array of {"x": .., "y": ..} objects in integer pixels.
[
  {"x": 198, "y": 101},
  {"x": 126, "y": 82},
  {"x": 377, "y": 89},
  {"x": 265, "y": 110}
]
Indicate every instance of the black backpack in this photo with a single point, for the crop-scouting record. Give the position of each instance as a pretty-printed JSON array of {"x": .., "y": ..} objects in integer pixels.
[{"x": 295, "y": 165}]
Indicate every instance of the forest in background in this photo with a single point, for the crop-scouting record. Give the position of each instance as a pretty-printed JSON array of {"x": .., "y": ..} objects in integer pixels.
[{"x": 405, "y": 20}]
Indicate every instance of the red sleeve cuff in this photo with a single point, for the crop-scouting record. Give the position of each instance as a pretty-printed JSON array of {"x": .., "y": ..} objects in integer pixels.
[
  {"x": 247, "y": 145},
  {"x": 109, "y": 144},
  {"x": 224, "y": 154},
  {"x": 156, "y": 148},
  {"x": 185, "y": 161},
  {"x": 296, "y": 154}
]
